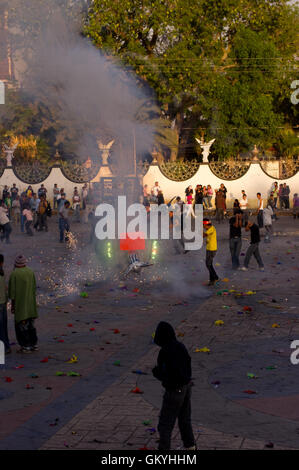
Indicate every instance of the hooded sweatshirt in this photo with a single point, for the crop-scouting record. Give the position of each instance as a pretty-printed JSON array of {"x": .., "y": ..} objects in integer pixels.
[{"x": 174, "y": 363}]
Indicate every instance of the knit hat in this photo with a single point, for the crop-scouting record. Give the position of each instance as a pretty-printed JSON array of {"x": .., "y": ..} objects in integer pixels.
[{"x": 20, "y": 261}]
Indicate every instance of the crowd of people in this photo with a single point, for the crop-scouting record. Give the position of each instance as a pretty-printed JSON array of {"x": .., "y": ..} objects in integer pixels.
[
  {"x": 278, "y": 198},
  {"x": 30, "y": 210}
]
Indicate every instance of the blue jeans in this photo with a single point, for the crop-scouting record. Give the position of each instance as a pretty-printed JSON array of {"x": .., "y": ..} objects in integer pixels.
[
  {"x": 3, "y": 325},
  {"x": 235, "y": 248},
  {"x": 23, "y": 220}
]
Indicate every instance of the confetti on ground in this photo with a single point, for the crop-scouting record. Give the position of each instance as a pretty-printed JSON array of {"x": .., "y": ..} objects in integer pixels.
[
  {"x": 204, "y": 350},
  {"x": 275, "y": 325},
  {"x": 83, "y": 295},
  {"x": 249, "y": 392},
  {"x": 73, "y": 359},
  {"x": 136, "y": 390},
  {"x": 219, "y": 322},
  {"x": 139, "y": 372}
]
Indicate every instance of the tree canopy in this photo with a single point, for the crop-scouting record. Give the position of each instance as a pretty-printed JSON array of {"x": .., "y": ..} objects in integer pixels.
[{"x": 221, "y": 67}]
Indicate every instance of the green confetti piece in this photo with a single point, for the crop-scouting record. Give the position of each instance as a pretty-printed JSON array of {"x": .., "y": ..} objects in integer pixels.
[
  {"x": 83, "y": 295},
  {"x": 73, "y": 374}
]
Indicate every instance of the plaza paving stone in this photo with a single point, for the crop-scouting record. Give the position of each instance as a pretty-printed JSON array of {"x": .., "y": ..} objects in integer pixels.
[{"x": 97, "y": 410}]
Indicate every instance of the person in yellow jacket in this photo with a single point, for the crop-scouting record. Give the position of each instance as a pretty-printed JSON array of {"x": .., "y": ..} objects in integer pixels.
[{"x": 211, "y": 249}]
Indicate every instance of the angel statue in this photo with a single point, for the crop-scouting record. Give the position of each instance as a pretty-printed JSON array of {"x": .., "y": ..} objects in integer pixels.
[
  {"x": 105, "y": 149},
  {"x": 205, "y": 149},
  {"x": 10, "y": 153}
]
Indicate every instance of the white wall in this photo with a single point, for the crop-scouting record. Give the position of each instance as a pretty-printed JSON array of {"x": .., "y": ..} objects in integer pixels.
[
  {"x": 56, "y": 176},
  {"x": 255, "y": 180}
]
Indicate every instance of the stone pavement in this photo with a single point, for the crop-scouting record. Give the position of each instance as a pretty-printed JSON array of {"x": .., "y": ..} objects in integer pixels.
[{"x": 110, "y": 333}]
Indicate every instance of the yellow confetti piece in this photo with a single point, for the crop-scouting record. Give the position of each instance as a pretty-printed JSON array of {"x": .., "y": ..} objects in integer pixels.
[
  {"x": 225, "y": 279},
  {"x": 219, "y": 322},
  {"x": 275, "y": 325},
  {"x": 73, "y": 359},
  {"x": 250, "y": 292},
  {"x": 217, "y": 264},
  {"x": 205, "y": 350}
]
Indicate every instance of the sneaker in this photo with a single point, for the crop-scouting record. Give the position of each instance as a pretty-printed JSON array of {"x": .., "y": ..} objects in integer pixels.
[
  {"x": 262, "y": 269},
  {"x": 26, "y": 350},
  {"x": 34, "y": 348},
  {"x": 244, "y": 268}
]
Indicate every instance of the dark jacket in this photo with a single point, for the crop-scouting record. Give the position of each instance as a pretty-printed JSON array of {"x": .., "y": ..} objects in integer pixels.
[{"x": 174, "y": 363}]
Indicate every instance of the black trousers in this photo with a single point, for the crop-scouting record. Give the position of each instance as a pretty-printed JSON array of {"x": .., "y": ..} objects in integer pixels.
[
  {"x": 210, "y": 255},
  {"x": 176, "y": 405},
  {"x": 26, "y": 333}
]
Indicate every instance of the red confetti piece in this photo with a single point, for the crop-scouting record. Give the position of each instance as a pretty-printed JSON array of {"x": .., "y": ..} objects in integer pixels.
[
  {"x": 61, "y": 341},
  {"x": 116, "y": 331},
  {"x": 247, "y": 309},
  {"x": 8, "y": 379},
  {"x": 69, "y": 324},
  {"x": 19, "y": 367},
  {"x": 136, "y": 390},
  {"x": 46, "y": 359},
  {"x": 92, "y": 329},
  {"x": 250, "y": 392}
]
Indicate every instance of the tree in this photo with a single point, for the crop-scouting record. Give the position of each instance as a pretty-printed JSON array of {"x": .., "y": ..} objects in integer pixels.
[{"x": 221, "y": 66}]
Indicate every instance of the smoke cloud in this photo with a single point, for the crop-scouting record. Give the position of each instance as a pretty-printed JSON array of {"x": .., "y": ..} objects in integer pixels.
[{"x": 93, "y": 96}]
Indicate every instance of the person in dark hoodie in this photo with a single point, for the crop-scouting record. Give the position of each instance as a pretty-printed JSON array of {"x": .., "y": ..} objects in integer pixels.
[{"x": 173, "y": 369}]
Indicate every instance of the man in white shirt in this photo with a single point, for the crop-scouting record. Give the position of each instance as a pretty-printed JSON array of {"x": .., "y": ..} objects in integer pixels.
[
  {"x": 156, "y": 189},
  {"x": 244, "y": 208},
  {"x": 260, "y": 210}
]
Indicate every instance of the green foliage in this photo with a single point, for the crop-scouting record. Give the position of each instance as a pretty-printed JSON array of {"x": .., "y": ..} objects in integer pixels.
[{"x": 222, "y": 66}]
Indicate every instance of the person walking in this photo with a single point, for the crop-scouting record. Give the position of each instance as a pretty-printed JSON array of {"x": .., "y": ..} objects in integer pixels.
[
  {"x": 235, "y": 238},
  {"x": 211, "y": 249},
  {"x": 29, "y": 220},
  {"x": 220, "y": 205},
  {"x": 209, "y": 196},
  {"x": 56, "y": 192},
  {"x": 244, "y": 208},
  {"x": 63, "y": 220},
  {"x": 253, "y": 248},
  {"x": 76, "y": 205},
  {"x": 3, "y": 309},
  {"x": 5, "y": 224},
  {"x": 42, "y": 213},
  {"x": 22, "y": 292},
  {"x": 173, "y": 369},
  {"x": 16, "y": 210},
  {"x": 268, "y": 213},
  {"x": 260, "y": 210}
]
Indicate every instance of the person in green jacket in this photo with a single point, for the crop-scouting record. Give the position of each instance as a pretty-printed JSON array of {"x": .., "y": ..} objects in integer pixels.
[
  {"x": 3, "y": 309},
  {"x": 22, "y": 292}
]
